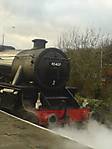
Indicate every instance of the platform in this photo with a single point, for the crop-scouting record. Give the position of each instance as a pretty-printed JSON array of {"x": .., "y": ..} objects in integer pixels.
[{"x": 16, "y": 133}]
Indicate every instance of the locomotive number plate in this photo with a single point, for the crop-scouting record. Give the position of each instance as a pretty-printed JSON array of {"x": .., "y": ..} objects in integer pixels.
[{"x": 55, "y": 64}]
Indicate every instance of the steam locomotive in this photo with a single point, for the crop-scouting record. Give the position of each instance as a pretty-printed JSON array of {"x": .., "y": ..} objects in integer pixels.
[{"x": 38, "y": 77}]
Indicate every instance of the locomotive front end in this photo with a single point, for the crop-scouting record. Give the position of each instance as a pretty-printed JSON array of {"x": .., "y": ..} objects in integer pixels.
[{"x": 46, "y": 67}]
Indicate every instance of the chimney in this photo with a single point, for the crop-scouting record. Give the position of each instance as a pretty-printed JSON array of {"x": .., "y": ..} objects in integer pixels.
[{"x": 39, "y": 43}]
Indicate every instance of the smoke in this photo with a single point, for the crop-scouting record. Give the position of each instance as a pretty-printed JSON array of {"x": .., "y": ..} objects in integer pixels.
[{"x": 94, "y": 135}]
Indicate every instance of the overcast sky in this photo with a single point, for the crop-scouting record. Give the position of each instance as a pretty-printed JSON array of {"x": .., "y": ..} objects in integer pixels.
[{"x": 23, "y": 20}]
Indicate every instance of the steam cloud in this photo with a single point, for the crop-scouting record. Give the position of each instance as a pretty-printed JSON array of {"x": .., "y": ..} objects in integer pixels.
[{"x": 94, "y": 135}]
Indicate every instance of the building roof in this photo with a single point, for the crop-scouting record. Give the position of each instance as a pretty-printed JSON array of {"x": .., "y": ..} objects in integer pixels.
[{"x": 4, "y": 47}]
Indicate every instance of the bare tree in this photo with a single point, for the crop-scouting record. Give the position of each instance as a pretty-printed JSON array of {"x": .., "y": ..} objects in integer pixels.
[
  {"x": 87, "y": 51},
  {"x": 75, "y": 39}
]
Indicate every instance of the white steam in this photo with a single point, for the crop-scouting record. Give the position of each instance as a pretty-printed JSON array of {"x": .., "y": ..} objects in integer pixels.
[{"x": 95, "y": 135}]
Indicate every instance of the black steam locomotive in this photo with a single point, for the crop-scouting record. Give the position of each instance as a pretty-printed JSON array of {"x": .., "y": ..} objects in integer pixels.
[{"x": 39, "y": 73}]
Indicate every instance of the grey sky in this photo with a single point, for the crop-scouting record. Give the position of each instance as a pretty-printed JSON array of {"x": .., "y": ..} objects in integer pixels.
[{"x": 49, "y": 18}]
